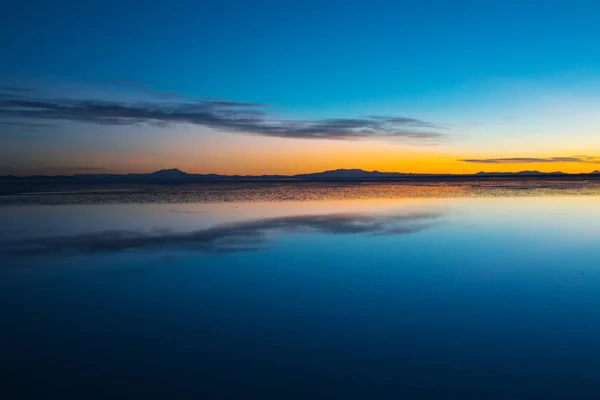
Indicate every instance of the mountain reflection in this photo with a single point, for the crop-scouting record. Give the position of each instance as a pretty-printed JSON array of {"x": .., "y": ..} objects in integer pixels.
[{"x": 225, "y": 238}]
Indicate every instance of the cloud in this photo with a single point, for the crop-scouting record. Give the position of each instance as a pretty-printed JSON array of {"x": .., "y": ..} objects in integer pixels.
[
  {"x": 234, "y": 237},
  {"x": 167, "y": 95},
  {"x": 75, "y": 170},
  {"x": 16, "y": 89},
  {"x": 231, "y": 116},
  {"x": 126, "y": 83},
  {"x": 27, "y": 124},
  {"x": 532, "y": 160}
]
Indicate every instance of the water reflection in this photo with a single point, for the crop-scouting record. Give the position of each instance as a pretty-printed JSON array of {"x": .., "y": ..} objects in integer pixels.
[
  {"x": 224, "y": 238},
  {"x": 392, "y": 299}
]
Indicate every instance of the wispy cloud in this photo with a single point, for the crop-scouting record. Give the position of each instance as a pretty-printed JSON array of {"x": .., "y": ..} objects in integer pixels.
[
  {"x": 242, "y": 236},
  {"x": 16, "y": 89},
  {"x": 231, "y": 116},
  {"x": 76, "y": 170},
  {"x": 167, "y": 95},
  {"x": 28, "y": 124},
  {"x": 126, "y": 83},
  {"x": 534, "y": 160}
]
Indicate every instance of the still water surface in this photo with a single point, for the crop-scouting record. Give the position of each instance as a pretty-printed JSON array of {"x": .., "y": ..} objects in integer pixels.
[{"x": 479, "y": 298}]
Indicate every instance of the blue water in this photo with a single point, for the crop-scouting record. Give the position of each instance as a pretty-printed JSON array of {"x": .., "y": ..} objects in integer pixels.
[{"x": 479, "y": 298}]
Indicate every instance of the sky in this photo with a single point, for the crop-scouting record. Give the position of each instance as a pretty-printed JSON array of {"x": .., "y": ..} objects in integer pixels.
[{"x": 285, "y": 87}]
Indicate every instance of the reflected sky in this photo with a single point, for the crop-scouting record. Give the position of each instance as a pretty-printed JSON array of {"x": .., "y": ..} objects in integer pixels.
[{"x": 421, "y": 298}]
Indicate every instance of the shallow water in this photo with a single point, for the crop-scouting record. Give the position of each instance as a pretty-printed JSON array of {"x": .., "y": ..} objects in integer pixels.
[
  {"x": 51, "y": 193},
  {"x": 407, "y": 297}
]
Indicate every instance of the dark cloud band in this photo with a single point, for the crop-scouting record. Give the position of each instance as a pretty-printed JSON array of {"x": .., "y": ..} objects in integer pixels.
[
  {"x": 27, "y": 124},
  {"x": 126, "y": 83},
  {"x": 16, "y": 89},
  {"x": 249, "y": 118}
]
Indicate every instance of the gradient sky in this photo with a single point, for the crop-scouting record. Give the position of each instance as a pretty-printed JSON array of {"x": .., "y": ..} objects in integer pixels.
[{"x": 265, "y": 87}]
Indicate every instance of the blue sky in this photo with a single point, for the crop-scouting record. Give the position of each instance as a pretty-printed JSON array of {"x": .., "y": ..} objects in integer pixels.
[{"x": 459, "y": 64}]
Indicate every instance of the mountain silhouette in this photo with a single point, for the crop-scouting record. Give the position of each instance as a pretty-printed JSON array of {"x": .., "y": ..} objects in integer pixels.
[
  {"x": 530, "y": 173},
  {"x": 351, "y": 173},
  {"x": 175, "y": 174},
  {"x": 170, "y": 173}
]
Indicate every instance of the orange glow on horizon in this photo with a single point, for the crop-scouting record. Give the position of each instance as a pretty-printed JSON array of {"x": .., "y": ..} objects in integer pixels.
[{"x": 289, "y": 157}]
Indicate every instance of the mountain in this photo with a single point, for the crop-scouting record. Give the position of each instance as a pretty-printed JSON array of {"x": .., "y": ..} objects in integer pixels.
[
  {"x": 352, "y": 173},
  {"x": 173, "y": 173},
  {"x": 520, "y": 173}
]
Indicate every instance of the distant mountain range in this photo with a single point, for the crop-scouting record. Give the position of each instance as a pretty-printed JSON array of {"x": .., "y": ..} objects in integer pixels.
[{"x": 338, "y": 174}]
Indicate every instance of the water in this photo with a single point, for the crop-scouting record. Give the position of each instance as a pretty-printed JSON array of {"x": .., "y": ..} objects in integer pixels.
[{"x": 407, "y": 297}]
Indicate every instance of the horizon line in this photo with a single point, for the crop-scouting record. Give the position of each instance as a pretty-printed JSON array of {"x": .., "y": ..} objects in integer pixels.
[{"x": 177, "y": 170}]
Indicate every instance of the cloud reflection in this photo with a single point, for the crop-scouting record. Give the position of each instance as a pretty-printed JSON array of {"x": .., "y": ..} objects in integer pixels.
[{"x": 226, "y": 238}]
